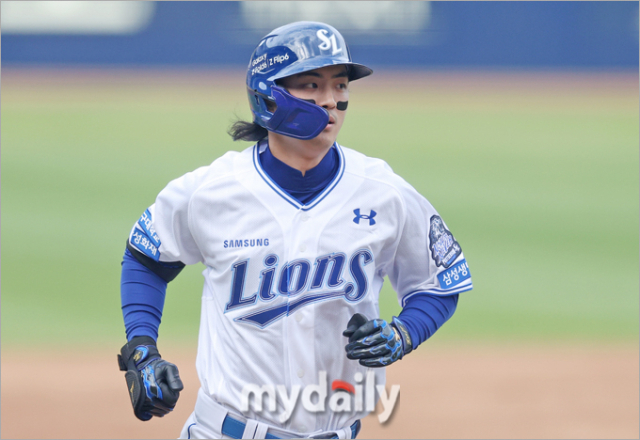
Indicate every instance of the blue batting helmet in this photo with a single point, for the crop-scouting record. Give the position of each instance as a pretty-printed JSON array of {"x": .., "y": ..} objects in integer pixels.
[{"x": 288, "y": 50}]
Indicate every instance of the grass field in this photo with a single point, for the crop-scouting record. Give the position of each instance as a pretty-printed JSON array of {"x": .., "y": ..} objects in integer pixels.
[{"x": 536, "y": 175}]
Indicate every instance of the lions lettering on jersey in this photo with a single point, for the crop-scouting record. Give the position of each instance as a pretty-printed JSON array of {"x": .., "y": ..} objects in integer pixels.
[{"x": 294, "y": 278}]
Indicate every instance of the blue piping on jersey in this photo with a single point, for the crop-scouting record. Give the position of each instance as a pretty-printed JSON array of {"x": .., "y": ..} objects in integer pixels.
[
  {"x": 285, "y": 195},
  {"x": 189, "y": 431}
]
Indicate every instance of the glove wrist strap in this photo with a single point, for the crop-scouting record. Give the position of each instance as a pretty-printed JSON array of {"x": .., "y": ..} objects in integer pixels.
[
  {"x": 129, "y": 349},
  {"x": 407, "y": 344}
]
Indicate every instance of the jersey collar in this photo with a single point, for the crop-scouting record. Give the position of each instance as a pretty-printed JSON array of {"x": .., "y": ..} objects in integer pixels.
[{"x": 261, "y": 146}]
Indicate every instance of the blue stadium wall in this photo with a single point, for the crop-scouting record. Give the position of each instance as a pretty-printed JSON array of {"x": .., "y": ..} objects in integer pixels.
[{"x": 566, "y": 35}]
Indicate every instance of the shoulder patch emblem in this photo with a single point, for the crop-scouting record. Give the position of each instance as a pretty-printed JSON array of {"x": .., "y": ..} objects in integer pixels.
[{"x": 444, "y": 248}]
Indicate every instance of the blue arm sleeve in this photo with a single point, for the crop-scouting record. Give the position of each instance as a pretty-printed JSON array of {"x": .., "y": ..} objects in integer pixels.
[
  {"x": 142, "y": 294},
  {"x": 424, "y": 314}
]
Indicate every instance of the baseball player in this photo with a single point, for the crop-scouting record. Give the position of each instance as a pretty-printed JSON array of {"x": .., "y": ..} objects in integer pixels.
[{"x": 296, "y": 233}]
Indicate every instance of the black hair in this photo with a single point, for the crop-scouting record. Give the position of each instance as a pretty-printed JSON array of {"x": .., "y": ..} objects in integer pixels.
[{"x": 247, "y": 131}]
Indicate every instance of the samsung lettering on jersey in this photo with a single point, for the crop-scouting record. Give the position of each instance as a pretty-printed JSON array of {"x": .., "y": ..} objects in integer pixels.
[{"x": 246, "y": 243}]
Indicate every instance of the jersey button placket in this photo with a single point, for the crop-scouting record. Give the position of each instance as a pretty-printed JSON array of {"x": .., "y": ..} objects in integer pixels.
[
  {"x": 301, "y": 333},
  {"x": 301, "y": 232}
]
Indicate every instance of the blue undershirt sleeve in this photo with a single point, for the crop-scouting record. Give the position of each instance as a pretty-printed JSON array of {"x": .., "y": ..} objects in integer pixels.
[
  {"x": 142, "y": 294},
  {"x": 423, "y": 314}
]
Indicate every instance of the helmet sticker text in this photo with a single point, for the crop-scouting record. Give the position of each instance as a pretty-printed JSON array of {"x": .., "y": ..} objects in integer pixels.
[
  {"x": 261, "y": 62},
  {"x": 259, "y": 59},
  {"x": 278, "y": 59}
]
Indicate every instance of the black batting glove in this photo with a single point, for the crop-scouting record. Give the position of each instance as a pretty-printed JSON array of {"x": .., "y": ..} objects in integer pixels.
[
  {"x": 376, "y": 343},
  {"x": 154, "y": 384}
]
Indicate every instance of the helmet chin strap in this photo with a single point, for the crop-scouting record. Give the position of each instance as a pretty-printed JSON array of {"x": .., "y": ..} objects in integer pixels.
[{"x": 295, "y": 117}]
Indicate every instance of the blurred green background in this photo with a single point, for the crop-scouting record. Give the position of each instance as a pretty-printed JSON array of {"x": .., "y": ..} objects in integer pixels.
[{"x": 535, "y": 174}]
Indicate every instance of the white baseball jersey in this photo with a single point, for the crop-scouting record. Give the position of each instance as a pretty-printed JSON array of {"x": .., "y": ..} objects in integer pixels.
[{"x": 282, "y": 279}]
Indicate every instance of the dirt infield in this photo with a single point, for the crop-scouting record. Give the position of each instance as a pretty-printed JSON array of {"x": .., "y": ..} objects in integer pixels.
[{"x": 446, "y": 392}]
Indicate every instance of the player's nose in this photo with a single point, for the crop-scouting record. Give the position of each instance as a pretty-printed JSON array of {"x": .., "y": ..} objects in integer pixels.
[{"x": 326, "y": 99}]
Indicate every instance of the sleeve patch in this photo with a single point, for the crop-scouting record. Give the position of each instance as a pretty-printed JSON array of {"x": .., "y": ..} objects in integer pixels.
[
  {"x": 141, "y": 242},
  {"x": 146, "y": 225},
  {"x": 144, "y": 237},
  {"x": 454, "y": 275},
  {"x": 444, "y": 248}
]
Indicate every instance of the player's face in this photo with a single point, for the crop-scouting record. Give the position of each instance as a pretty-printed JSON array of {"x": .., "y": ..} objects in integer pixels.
[{"x": 327, "y": 87}]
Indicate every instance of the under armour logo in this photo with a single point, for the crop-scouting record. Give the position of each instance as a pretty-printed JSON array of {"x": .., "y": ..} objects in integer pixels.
[{"x": 369, "y": 217}]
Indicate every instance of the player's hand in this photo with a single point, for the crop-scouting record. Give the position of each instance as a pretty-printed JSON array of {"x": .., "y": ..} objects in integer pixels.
[
  {"x": 376, "y": 343},
  {"x": 154, "y": 384}
]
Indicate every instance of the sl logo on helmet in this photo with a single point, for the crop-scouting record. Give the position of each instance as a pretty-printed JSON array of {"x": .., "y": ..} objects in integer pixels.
[{"x": 328, "y": 42}]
